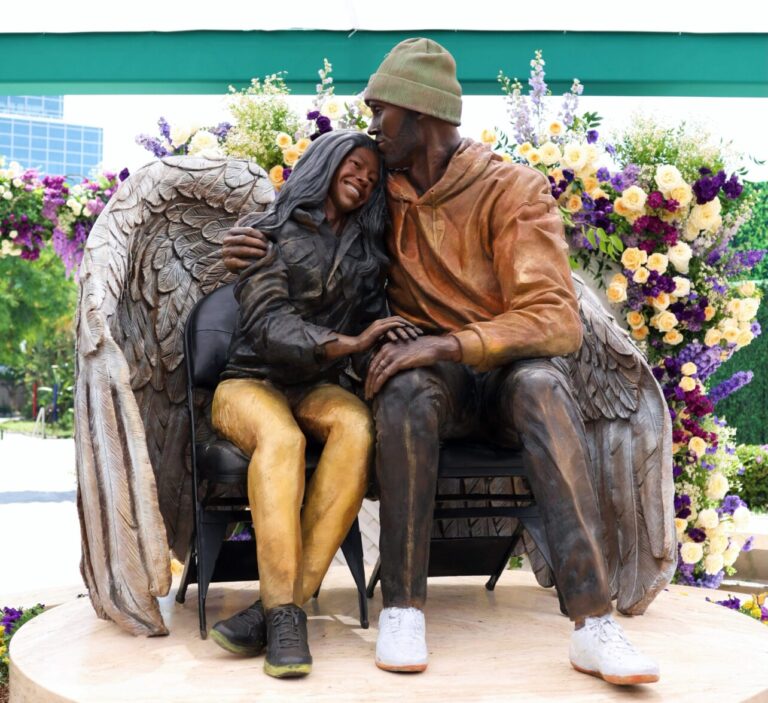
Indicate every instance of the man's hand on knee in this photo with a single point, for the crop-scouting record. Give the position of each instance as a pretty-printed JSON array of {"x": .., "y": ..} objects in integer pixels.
[
  {"x": 393, "y": 358},
  {"x": 242, "y": 246}
]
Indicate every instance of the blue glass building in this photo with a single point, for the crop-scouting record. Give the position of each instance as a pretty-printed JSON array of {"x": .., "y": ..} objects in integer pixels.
[{"x": 33, "y": 133}]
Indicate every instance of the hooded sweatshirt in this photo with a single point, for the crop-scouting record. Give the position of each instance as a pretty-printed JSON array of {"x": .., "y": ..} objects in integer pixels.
[{"x": 482, "y": 255}]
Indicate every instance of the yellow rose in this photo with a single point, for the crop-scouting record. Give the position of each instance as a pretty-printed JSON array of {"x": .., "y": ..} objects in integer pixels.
[
  {"x": 291, "y": 155},
  {"x": 688, "y": 368},
  {"x": 673, "y": 337},
  {"x": 661, "y": 301},
  {"x": 634, "y": 198},
  {"x": 276, "y": 176},
  {"x": 640, "y": 333},
  {"x": 620, "y": 279},
  {"x": 550, "y": 154},
  {"x": 687, "y": 383},
  {"x": 709, "y": 313},
  {"x": 633, "y": 258},
  {"x": 635, "y": 319},
  {"x": 731, "y": 334},
  {"x": 556, "y": 128},
  {"x": 533, "y": 157},
  {"x": 744, "y": 338},
  {"x": 641, "y": 275},
  {"x": 597, "y": 193},
  {"x": 303, "y": 144},
  {"x": 658, "y": 263},
  {"x": 665, "y": 321},
  {"x": 698, "y": 446},
  {"x": 682, "y": 194},
  {"x": 749, "y": 307},
  {"x": 557, "y": 174},
  {"x": 488, "y": 136},
  {"x": 590, "y": 183},
  {"x": 620, "y": 208},
  {"x": 616, "y": 293},
  {"x": 680, "y": 524},
  {"x": 573, "y": 203},
  {"x": 283, "y": 140},
  {"x": 524, "y": 148},
  {"x": 747, "y": 288},
  {"x": 507, "y": 158}
]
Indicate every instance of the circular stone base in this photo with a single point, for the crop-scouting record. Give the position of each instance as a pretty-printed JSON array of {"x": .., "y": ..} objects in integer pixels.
[{"x": 511, "y": 644}]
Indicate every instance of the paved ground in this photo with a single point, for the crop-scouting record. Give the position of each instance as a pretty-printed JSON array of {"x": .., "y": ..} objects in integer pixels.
[{"x": 38, "y": 520}]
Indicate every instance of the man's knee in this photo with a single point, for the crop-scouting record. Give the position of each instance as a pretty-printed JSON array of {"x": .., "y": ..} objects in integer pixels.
[{"x": 410, "y": 394}]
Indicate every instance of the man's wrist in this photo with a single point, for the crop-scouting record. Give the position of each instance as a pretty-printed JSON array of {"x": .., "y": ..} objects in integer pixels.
[{"x": 450, "y": 348}]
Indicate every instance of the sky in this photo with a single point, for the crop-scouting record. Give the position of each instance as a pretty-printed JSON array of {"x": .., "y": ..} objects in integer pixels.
[{"x": 741, "y": 121}]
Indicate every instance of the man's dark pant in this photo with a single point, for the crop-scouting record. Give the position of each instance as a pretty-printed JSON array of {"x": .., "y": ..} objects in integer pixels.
[{"x": 528, "y": 403}]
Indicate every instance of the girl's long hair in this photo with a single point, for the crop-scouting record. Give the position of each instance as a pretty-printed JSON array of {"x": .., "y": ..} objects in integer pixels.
[{"x": 310, "y": 182}]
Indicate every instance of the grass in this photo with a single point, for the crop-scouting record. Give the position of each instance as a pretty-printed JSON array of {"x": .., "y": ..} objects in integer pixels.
[{"x": 28, "y": 426}]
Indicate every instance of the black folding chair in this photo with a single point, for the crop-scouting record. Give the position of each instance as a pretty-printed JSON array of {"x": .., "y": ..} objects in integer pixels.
[
  {"x": 474, "y": 465},
  {"x": 218, "y": 464}
]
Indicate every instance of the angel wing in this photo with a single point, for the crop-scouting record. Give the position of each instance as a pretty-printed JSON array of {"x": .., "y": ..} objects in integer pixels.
[
  {"x": 630, "y": 437},
  {"x": 153, "y": 252}
]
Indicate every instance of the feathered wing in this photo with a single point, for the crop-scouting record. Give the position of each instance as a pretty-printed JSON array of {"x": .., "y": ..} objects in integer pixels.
[
  {"x": 153, "y": 252},
  {"x": 630, "y": 438}
]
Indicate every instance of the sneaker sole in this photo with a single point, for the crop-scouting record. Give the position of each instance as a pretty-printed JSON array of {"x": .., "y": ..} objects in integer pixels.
[
  {"x": 242, "y": 650},
  {"x": 402, "y": 668},
  {"x": 620, "y": 680},
  {"x": 286, "y": 671}
]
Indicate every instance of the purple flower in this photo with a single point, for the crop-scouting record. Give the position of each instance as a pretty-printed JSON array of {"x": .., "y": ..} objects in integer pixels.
[
  {"x": 287, "y": 173},
  {"x": 655, "y": 200},
  {"x": 603, "y": 174},
  {"x": 124, "y": 174},
  {"x": 323, "y": 124},
  {"x": 165, "y": 129},
  {"x": 697, "y": 535},
  {"x": 729, "y": 505},
  {"x": 730, "y": 385},
  {"x": 732, "y": 188},
  {"x": 313, "y": 115},
  {"x": 221, "y": 130},
  {"x": 748, "y": 544},
  {"x": 592, "y": 136}
]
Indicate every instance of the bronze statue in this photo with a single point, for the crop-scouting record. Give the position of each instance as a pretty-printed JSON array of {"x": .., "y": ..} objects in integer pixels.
[
  {"x": 305, "y": 309},
  {"x": 516, "y": 351}
]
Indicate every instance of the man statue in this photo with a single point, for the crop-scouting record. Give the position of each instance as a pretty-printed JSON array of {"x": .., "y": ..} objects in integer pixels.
[{"x": 479, "y": 262}]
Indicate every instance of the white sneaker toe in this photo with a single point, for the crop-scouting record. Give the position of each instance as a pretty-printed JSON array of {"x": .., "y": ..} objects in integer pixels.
[{"x": 401, "y": 644}]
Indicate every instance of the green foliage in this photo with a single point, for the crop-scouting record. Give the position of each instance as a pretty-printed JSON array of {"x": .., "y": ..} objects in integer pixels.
[
  {"x": 650, "y": 144},
  {"x": 754, "y": 480},
  {"x": 747, "y": 409},
  {"x": 260, "y": 112},
  {"x": 753, "y": 234},
  {"x": 37, "y": 304}
]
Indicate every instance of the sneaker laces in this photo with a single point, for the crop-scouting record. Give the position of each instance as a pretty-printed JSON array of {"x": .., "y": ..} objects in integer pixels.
[
  {"x": 609, "y": 631},
  {"x": 414, "y": 632},
  {"x": 286, "y": 627},
  {"x": 251, "y": 615}
]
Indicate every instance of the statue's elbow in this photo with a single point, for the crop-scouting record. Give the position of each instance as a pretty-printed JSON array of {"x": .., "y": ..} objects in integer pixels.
[{"x": 569, "y": 338}]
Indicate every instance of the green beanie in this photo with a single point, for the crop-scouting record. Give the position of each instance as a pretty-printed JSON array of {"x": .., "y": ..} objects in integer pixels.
[{"x": 420, "y": 75}]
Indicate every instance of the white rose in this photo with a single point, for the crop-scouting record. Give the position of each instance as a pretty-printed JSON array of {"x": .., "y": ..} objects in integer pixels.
[
  {"x": 17, "y": 182},
  {"x": 332, "y": 109},
  {"x": 202, "y": 141},
  {"x": 713, "y": 564},
  {"x": 708, "y": 519},
  {"x": 749, "y": 308},
  {"x": 634, "y": 198},
  {"x": 550, "y": 153},
  {"x": 717, "y": 486},
  {"x": 718, "y": 544},
  {"x": 75, "y": 206},
  {"x": 680, "y": 524},
  {"x": 575, "y": 156},
  {"x": 730, "y": 555},
  {"x": 682, "y": 286},
  {"x": 691, "y": 553},
  {"x": 741, "y": 517},
  {"x": 180, "y": 134},
  {"x": 680, "y": 256},
  {"x": 667, "y": 178},
  {"x": 7, "y": 195}
]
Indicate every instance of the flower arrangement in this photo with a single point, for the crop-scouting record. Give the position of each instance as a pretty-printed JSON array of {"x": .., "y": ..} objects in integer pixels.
[
  {"x": 34, "y": 210},
  {"x": 754, "y": 606},
  {"x": 180, "y": 139},
  {"x": 650, "y": 216},
  {"x": 12, "y": 620}
]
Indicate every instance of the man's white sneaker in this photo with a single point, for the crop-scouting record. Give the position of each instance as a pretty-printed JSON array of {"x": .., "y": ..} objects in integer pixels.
[
  {"x": 601, "y": 649},
  {"x": 401, "y": 645}
]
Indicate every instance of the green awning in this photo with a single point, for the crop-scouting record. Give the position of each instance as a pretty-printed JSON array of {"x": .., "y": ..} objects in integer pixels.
[{"x": 198, "y": 62}]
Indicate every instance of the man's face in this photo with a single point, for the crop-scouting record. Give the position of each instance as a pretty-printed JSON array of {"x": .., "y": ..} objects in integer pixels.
[{"x": 396, "y": 131}]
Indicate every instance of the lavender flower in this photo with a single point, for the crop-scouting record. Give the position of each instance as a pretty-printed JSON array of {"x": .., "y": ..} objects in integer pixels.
[{"x": 729, "y": 386}]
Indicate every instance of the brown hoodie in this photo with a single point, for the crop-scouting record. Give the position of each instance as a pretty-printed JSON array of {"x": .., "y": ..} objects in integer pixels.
[{"x": 482, "y": 255}]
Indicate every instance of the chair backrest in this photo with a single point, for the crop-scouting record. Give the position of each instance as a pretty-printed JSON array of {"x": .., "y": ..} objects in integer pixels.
[{"x": 207, "y": 335}]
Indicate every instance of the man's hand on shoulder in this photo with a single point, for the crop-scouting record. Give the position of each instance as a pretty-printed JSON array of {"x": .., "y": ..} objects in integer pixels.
[
  {"x": 395, "y": 357},
  {"x": 242, "y": 246}
]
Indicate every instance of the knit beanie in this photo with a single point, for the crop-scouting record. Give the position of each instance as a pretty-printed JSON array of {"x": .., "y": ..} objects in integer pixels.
[{"x": 420, "y": 75}]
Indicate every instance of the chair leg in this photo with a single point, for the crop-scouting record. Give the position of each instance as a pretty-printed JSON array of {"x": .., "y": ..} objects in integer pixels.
[
  {"x": 516, "y": 537},
  {"x": 352, "y": 548},
  {"x": 211, "y": 537},
  {"x": 181, "y": 594},
  {"x": 374, "y": 579}
]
